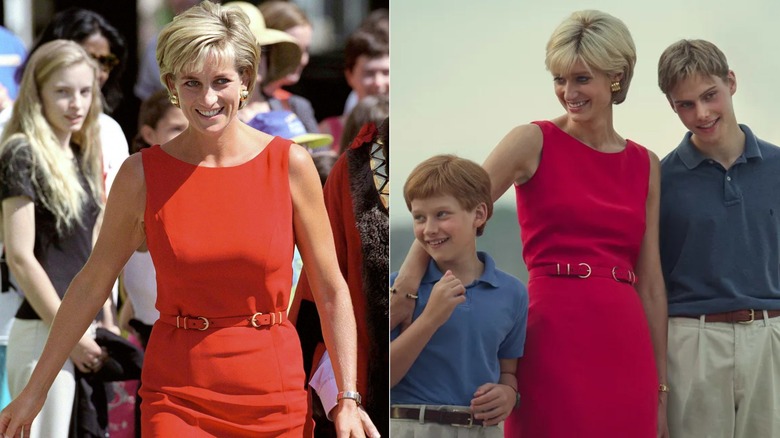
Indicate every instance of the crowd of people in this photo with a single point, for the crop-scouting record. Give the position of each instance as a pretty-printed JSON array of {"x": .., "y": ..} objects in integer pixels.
[{"x": 183, "y": 242}]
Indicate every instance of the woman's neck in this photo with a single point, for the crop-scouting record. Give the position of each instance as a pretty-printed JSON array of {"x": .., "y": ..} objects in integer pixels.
[{"x": 598, "y": 133}]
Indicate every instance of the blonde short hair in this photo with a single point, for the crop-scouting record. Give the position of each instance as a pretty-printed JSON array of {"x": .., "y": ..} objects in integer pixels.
[
  {"x": 204, "y": 30},
  {"x": 598, "y": 39},
  {"x": 687, "y": 58},
  {"x": 443, "y": 175}
]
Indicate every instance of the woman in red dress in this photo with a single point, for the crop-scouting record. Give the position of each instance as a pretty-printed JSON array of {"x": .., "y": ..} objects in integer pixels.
[
  {"x": 220, "y": 207},
  {"x": 587, "y": 203}
]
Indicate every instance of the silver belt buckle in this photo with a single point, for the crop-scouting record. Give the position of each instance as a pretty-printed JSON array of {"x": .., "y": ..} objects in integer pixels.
[{"x": 470, "y": 423}]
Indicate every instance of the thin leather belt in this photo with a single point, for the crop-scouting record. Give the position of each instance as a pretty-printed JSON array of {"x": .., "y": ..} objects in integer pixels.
[
  {"x": 584, "y": 270},
  {"x": 202, "y": 323},
  {"x": 746, "y": 316},
  {"x": 438, "y": 416}
]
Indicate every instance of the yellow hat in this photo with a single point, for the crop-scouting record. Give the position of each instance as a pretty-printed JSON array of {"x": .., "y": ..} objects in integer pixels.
[{"x": 286, "y": 54}]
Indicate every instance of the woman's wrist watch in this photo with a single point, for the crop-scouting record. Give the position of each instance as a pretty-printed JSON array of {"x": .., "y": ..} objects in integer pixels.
[{"x": 353, "y": 395}]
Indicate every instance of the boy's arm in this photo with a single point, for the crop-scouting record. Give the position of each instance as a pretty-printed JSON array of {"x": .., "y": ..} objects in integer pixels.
[
  {"x": 493, "y": 402},
  {"x": 404, "y": 350}
]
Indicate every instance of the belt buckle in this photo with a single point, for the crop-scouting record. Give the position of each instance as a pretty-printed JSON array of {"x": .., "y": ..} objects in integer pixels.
[
  {"x": 589, "y": 270},
  {"x": 205, "y": 323},
  {"x": 470, "y": 423},
  {"x": 752, "y": 317},
  {"x": 183, "y": 323}
]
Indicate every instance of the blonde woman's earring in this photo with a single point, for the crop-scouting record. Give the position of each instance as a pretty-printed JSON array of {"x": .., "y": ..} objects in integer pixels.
[
  {"x": 244, "y": 94},
  {"x": 174, "y": 100},
  {"x": 615, "y": 86}
]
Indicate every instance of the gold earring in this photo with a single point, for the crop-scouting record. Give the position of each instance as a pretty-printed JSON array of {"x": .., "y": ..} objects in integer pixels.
[
  {"x": 615, "y": 86},
  {"x": 174, "y": 100},
  {"x": 244, "y": 94}
]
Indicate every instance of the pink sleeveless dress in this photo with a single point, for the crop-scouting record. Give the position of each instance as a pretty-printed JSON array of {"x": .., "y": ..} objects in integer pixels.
[
  {"x": 588, "y": 369},
  {"x": 222, "y": 243}
]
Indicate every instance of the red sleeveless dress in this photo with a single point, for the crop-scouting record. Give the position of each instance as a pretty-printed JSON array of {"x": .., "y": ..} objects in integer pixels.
[
  {"x": 588, "y": 368},
  {"x": 222, "y": 244}
]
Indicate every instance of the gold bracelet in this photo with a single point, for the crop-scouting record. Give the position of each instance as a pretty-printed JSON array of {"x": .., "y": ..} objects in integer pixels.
[{"x": 662, "y": 387}]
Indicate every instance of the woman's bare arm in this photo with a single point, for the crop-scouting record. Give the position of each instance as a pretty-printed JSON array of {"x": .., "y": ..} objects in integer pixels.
[{"x": 314, "y": 238}]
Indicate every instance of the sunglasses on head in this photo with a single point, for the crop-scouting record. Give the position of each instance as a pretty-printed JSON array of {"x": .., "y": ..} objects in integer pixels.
[{"x": 107, "y": 62}]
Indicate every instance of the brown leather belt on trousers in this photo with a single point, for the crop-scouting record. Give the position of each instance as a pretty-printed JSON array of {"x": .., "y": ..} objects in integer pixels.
[
  {"x": 738, "y": 316},
  {"x": 434, "y": 415},
  {"x": 584, "y": 270},
  {"x": 202, "y": 323}
]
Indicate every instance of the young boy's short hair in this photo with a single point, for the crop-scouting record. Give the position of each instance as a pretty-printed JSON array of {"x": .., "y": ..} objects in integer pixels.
[
  {"x": 443, "y": 175},
  {"x": 687, "y": 58},
  {"x": 364, "y": 43}
]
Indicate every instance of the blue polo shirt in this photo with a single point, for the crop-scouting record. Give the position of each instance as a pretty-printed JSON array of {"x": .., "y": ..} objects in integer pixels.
[
  {"x": 464, "y": 352},
  {"x": 720, "y": 229}
]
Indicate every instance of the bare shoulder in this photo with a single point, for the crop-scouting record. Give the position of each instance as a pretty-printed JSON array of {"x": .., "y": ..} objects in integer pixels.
[
  {"x": 130, "y": 183},
  {"x": 300, "y": 159},
  {"x": 527, "y": 136},
  {"x": 654, "y": 160},
  {"x": 132, "y": 170},
  {"x": 515, "y": 158}
]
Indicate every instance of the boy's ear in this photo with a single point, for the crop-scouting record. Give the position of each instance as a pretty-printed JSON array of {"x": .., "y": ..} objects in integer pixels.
[
  {"x": 147, "y": 133},
  {"x": 732, "y": 78},
  {"x": 348, "y": 75},
  {"x": 480, "y": 216}
]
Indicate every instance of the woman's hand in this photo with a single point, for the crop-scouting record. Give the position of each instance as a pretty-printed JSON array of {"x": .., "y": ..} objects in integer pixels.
[
  {"x": 87, "y": 355},
  {"x": 17, "y": 417},
  {"x": 493, "y": 402},
  {"x": 663, "y": 426},
  {"x": 351, "y": 421}
]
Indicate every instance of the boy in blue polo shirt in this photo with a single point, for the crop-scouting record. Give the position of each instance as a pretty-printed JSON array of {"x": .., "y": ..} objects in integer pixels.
[
  {"x": 455, "y": 364},
  {"x": 720, "y": 253}
]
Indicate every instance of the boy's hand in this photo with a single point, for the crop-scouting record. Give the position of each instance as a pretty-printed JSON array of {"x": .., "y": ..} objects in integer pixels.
[
  {"x": 446, "y": 294},
  {"x": 493, "y": 402}
]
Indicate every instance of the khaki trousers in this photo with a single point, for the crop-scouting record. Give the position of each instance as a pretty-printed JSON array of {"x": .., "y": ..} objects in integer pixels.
[
  {"x": 724, "y": 378},
  {"x": 416, "y": 429}
]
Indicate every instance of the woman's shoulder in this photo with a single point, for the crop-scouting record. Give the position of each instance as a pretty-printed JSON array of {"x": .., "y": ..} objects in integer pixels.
[
  {"x": 132, "y": 169},
  {"x": 527, "y": 138},
  {"x": 299, "y": 156}
]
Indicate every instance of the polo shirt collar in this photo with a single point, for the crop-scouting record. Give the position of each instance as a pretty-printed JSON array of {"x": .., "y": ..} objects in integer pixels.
[
  {"x": 433, "y": 274},
  {"x": 691, "y": 156}
]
